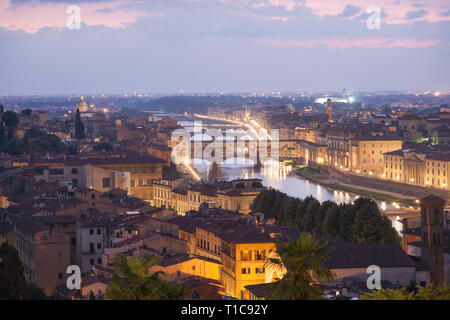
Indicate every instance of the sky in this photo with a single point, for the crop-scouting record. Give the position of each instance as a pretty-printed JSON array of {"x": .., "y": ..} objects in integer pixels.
[{"x": 170, "y": 46}]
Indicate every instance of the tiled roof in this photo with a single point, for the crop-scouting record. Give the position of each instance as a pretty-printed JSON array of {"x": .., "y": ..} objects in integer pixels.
[
  {"x": 438, "y": 157},
  {"x": 376, "y": 138},
  {"x": 350, "y": 255},
  {"x": 258, "y": 290}
]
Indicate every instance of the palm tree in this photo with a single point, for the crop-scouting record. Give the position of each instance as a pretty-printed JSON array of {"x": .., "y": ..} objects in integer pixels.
[
  {"x": 302, "y": 261},
  {"x": 134, "y": 282}
]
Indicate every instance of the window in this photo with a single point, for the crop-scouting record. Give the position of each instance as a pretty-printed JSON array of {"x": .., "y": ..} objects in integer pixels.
[
  {"x": 60, "y": 276},
  {"x": 99, "y": 231},
  {"x": 91, "y": 231},
  {"x": 99, "y": 245},
  {"x": 74, "y": 171},
  {"x": 246, "y": 255},
  {"x": 54, "y": 172},
  {"x": 260, "y": 254},
  {"x": 91, "y": 247},
  {"x": 73, "y": 241},
  {"x": 99, "y": 260},
  {"x": 245, "y": 271},
  {"x": 260, "y": 270},
  {"x": 106, "y": 182},
  {"x": 91, "y": 262}
]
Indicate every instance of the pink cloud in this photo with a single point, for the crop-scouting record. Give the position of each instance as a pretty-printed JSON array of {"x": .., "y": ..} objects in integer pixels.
[
  {"x": 395, "y": 10},
  {"x": 35, "y": 16},
  {"x": 350, "y": 43}
]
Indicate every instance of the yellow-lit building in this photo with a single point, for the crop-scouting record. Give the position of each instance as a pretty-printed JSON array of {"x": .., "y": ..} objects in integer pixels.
[
  {"x": 244, "y": 264},
  {"x": 423, "y": 169},
  {"x": 437, "y": 171},
  {"x": 313, "y": 152},
  {"x": 236, "y": 195},
  {"x": 182, "y": 266},
  {"x": 394, "y": 166},
  {"x": 238, "y": 242},
  {"x": 367, "y": 153},
  {"x": 162, "y": 191}
]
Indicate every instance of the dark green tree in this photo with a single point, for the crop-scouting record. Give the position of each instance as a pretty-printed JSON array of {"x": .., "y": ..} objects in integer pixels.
[
  {"x": 92, "y": 296},
  {"x": 13, "y": 147},
  {"x": 79, "y": 127},
  {"x": 71, "y": 150},
  {"x": 12, "y": 281},
  {"x": 38, "y": 142},
  {"x": 103, "y": 147},
  {"x": 2, "y": 134},
  {"x": 170, "y": 170},
  {"x": 370, "y": 226},
  {"x": 10, "y": 119},
  {"x": 330, "y": 225},
  {"x": 420, "y": 293},
  {"x": 36, "y": 292},
  {"x": 311, "y": 211},
  {"x": 320, "y": 215}
]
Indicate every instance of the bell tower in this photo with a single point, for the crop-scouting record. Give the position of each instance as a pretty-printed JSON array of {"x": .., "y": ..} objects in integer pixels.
[
  {"x": 329, "y": 110},
  {"x": 432, "y": 233}
]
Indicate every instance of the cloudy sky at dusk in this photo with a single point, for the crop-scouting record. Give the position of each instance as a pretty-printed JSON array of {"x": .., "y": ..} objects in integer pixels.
[{"x": 163, "y": 46}]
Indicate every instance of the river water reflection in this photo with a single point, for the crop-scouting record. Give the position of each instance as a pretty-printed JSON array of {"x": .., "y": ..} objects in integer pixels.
[{"x": 280, "y": 178}]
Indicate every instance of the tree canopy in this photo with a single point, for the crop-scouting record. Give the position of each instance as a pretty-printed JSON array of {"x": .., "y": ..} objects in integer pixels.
[
  {"x": 12, "y": 281},
  {"x": 360, "y": 222},
  {"x": 419, "y": 293},
  {"x": 10, "y": 119},
  {"x": 134, "y": 282},
  {"x": 38, "y": 142}
]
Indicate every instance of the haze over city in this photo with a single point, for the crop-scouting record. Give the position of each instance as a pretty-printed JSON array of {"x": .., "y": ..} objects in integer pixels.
[{"x": 168, "y": 46}]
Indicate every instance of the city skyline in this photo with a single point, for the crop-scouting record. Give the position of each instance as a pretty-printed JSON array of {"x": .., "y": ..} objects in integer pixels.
[{"x": 222, "y": 46}]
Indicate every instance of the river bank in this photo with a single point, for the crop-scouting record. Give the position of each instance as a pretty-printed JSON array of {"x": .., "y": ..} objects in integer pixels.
[{"x": 315, "y": 176}]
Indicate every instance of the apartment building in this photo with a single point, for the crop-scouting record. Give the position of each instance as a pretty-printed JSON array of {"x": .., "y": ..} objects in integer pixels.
[
  {"x": 162, "y": 191},
  {"x": 237, "y": 241},
  {"x": 93, "y": 235},
  {"x": 44, "y": 248},
  {"x": 428, "y": 169},
  {"x": 236, "y": 195},
  {"x": 437, "y": 170},
  {"x": 367, "y": 153},
  {"x": 136, "y": 170}
]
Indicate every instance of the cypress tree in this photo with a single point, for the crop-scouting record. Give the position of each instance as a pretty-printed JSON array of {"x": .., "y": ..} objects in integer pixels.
[
  {"x": 2, "y": 134},
  {"x": 79, "y": 127},
  {"x": 12, "y": 281}
]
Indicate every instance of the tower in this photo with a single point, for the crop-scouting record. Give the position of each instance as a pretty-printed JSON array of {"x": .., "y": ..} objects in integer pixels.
[
  {"x": 329, "y": 110},
  {"x": 432, "y": 233},
  {"x": 214, "y": 171}
]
